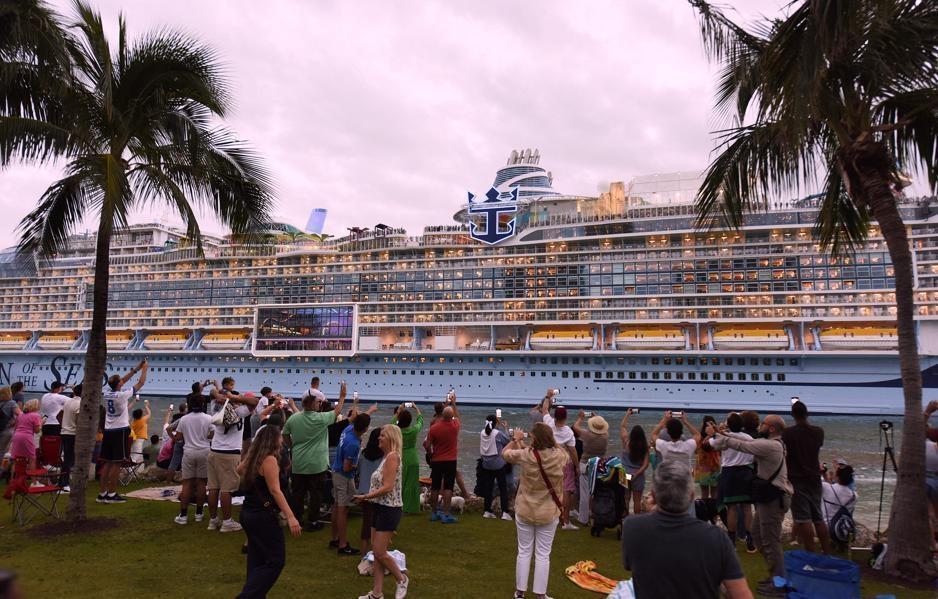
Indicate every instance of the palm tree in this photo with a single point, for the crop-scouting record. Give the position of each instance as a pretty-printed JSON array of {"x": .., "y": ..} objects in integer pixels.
[
  {"x": 135, "y": 126},
  {"x": 841, "y": 93}
]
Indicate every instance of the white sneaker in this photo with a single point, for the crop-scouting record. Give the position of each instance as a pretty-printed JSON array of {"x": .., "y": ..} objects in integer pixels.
[
  {"x": 180, "y": 519},
  {"x": 199, "y": 517},
  {"x": 214, "y": 523},
  {"x": 570, "y": 527},
  {"x": 401, "y": 591},
  {"x": 66, "y": 489},
  {"x": 230, "y": 525},
  {"x": 488, "y": 515},
  {"x": 507, "y": 516}
]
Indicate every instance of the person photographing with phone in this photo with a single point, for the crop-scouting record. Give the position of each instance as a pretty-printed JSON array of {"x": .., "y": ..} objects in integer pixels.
[
  {"x": 537, "y": 505},
  {"x": 410, "y": 428},
  {"x": 491, "y": 444},
  {"x": 443, "y": 439},
  {"x": 115, "y": 444}
]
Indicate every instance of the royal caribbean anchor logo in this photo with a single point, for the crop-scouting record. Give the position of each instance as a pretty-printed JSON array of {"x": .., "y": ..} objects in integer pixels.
[{"x": 491, "y": 228}]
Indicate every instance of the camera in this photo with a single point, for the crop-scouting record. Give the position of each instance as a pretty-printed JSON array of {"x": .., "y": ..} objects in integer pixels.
[
  {"x": 408, "y": 404},
  {"x": 589, "y": 414},
  {"x": 636, "y": 410}
]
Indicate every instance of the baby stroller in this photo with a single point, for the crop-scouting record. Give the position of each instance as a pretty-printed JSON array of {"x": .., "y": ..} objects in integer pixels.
[{"x": 607, "y": 483}]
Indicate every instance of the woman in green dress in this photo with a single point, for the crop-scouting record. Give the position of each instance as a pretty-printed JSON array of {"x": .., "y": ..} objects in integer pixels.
[{"x": 410, "y": 483}]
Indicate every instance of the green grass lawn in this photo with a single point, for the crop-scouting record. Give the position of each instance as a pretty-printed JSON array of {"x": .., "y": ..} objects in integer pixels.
[{"x": 149, "y": 555}]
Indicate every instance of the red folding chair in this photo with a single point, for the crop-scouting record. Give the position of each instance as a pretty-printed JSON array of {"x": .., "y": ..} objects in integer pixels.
[
  {"x": 50, "y": 454},
  {"x": 29, "y": 500}
]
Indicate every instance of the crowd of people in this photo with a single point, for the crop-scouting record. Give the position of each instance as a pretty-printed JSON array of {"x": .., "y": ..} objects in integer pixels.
[{"x": 288, "y": 461}]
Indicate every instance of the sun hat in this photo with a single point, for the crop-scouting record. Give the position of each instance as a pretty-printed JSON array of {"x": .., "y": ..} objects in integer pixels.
[{"x": 598, "y": 425}]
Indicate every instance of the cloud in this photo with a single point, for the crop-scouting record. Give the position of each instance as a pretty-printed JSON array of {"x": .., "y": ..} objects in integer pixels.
[{"x": 390, "y": 111}]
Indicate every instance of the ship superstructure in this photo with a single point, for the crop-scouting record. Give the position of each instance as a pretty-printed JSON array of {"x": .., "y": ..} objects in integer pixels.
[{"x": 615, "y": 300}]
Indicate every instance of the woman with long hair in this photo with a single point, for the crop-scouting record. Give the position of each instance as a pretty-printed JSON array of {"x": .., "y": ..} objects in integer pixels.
[
  {"x": 636, "y": 459},
  {"x": 260, "y": 481},
  {"x": 491, "y": 443},
  {"x": 385, "y": 493},
  {"x": 367, "y": 464},
  {"x": 410, "y": 428},
  {"x": 538, "y": 504},
  {"x": 707, "y": 467}
]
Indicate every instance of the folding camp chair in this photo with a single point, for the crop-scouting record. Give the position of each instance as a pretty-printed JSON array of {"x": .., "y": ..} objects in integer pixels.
[
  {"x": 130, "y": 472},
  {"x": 28, "y": 499},
  {"x": 50, "y": 453}
]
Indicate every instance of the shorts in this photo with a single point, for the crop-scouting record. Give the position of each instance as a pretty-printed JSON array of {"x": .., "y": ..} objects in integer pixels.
[
  {"x": 175, "y": 462},
  {"x": 442, "y": 475},
  {"x": 387, "y": 518},
  {"x": 115, "y": 445},
  {"x": 343, "y": 488},
  {"x": 164, "y": 464},
  {"x": 735, "y": 485},
  {"x": 806, "y": 501},
  {"x": 931, "y": 486},
  {"x": 223, "y": 471},
  {"x": 569, "y": 479},
  {"x": 194, "y": 463}
]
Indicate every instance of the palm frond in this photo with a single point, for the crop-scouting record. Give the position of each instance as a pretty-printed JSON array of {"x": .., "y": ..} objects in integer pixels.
[
  {"x": 913, "y": 136},
  {"x": 152, "y": 185},
  {"x": 755, "y": 163},
  {"x": 31, "y": 140},
  {"x": 841, "y": 225},
  {"x": 62, "y": 207}
]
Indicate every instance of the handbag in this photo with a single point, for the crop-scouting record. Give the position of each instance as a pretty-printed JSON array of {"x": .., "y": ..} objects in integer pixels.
[
  {"x": 763, "y": 491},
  {"x": 219, "y": 416},
  {"x": 550, "y": 488}
]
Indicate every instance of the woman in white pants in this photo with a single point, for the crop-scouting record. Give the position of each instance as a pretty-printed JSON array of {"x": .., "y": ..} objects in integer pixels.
[{"x": 537, "y": 505}]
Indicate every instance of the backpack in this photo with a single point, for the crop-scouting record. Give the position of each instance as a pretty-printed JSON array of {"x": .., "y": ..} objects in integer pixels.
[
  {"x": 842, "y": 527},
  {"x": 604, "y": 508}
]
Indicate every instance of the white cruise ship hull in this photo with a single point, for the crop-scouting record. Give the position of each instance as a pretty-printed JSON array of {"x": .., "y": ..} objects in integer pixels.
[{"x": 854, "y": 384}]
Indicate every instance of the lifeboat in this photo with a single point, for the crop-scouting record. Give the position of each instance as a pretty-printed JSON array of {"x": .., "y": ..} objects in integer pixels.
[
  {"x": 554, "y": 340},
  {"x": 119, "y": 340},
  {"x": 14, "y": 340},
  {"x": 165, "y": 341},
  {"x": 657, "y": 338},
  {"x": 57, "y": 340},
  {"x": 227, "y": 340},
  {"x": 747, "y": 338},
  {"x": 880, "y": 338}
]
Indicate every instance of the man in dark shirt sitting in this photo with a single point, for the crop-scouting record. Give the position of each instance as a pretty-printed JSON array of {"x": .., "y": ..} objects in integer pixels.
[
  {"x": 672, "y": 554},
  {"x": 803, "y": 444}
]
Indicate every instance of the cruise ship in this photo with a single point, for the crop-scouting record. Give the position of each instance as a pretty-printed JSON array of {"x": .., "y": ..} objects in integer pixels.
[{"x": 614, "y": 300}]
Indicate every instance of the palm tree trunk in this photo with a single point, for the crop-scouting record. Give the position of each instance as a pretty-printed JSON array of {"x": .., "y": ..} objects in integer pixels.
[
  {"x": 909, "y": 553},
  {"x": 95, "y": 361}
]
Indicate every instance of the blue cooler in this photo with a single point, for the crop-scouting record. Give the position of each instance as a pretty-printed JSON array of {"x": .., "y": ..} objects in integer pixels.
[{"x": 815, "y": 576}]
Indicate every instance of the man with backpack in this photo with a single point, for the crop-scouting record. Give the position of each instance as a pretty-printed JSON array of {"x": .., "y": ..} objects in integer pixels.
[{"x": 771, "y": 494}]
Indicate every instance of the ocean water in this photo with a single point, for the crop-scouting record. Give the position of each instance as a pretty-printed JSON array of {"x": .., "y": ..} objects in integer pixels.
[{"x": 858, "y": 439}]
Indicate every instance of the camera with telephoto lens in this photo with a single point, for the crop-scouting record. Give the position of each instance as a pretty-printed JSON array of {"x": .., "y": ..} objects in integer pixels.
[{"x": 885, "y": 425}]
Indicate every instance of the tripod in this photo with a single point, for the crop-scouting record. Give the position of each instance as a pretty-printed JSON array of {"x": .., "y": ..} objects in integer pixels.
[{"x": 886, "y": 438}]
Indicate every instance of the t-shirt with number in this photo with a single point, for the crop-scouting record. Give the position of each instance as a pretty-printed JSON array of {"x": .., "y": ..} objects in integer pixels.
[
  {"x": 230, "y": 441},
  {"x": 195, "y": 428},
  {"x": 115, "y": 409}
]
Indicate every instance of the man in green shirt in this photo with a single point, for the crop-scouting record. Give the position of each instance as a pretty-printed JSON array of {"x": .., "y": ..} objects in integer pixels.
[{"x": 307, "y": 434}]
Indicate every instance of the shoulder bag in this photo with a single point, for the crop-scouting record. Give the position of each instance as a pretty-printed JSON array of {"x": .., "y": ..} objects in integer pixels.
[
  {"x": 219, "y": 416},
  {"x": 763, "y": 491},
  {"x": 550, "y": 488}
]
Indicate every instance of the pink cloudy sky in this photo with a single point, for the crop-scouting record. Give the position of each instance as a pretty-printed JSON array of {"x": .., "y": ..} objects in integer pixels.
[{"x": 390, "y": 111}]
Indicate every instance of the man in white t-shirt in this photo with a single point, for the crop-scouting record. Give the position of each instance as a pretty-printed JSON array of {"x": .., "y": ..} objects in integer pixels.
[
  {"x": 69, "y": 428},
  {"x": 673, "y": 448},
  {"x": 565, "y": 438},
  {"x": 115, "y": 447},
  {"x": 49, "y": 407},
  {"x": 195, "y": 430},
  {"x": 314, "y": 391},
  {"x": 223, "y": 458}
]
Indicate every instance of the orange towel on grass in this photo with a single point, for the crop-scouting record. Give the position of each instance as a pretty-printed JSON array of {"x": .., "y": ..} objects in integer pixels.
[{"x": 584, "y": 575}]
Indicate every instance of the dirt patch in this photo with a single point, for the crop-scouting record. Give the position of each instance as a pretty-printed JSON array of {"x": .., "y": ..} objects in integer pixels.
[
  {"x": 869, "y": 574},
  {"x": 55, "y": 529}
]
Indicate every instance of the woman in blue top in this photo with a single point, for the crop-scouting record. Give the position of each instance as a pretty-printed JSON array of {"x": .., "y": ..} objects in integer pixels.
[{"x": 491, "y": 443}]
